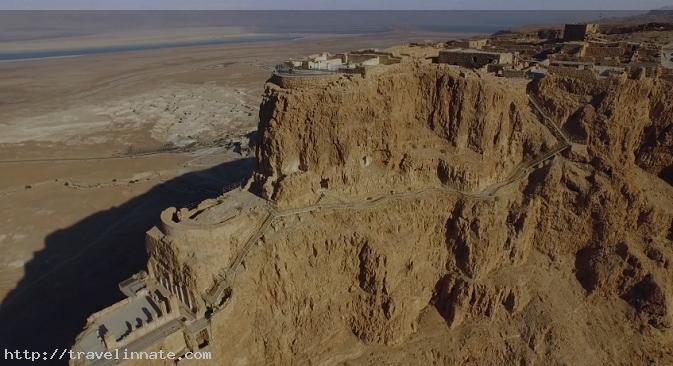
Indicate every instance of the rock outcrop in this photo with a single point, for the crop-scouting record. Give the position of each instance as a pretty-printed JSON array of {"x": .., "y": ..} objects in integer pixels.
[
  {"x": 409, "y": 126},
  {"x": 549, "y": 271},
  {"x": 407, "y": 225}
]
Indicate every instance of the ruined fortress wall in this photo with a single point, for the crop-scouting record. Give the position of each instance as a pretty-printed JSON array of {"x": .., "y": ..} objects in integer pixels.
[
  {"x": 192, "y": 229},
  {"x": 473, "y": 59},
  {"x": 186, "y": 255},
  {"x": 360, "y": 57},
  {"x": 602, "y": 61},
  {"x": 373, "y": 71},
  {"x": 169, "y": 266},
  {"x": 667, "y": 75},
  {"x": 586, "y": 74},
  {"x": 509, "y": 73},
  {"x": 462, "y": 59},
  {"x": 477, "y": 43},
  {"x": 386, "y": 59},
  {"x": 307, "y": 81},
  {"x": 578, "y": 32},
  {"x": 567, "y": 49},
  {"x": 172, "y": 228},
  {"x": 603, "y": 51},
  {"x": 179, "y": 252}
]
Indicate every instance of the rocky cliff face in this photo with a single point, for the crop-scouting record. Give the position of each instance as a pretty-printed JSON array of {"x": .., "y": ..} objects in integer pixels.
[
  {"x": 629, "y": 121},
  {"x": 411, "y": 256},
  {"x": 569, "y": 265},
  {"x": 408, "y": 127},
  {"x": 621, "y": 186}
]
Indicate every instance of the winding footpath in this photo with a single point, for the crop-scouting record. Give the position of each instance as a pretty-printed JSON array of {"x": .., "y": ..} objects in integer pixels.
[{"x": 215, "y": 296}]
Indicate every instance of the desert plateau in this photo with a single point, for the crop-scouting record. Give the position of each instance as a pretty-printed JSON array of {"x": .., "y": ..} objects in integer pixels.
[{"x": 406, "y": 196}]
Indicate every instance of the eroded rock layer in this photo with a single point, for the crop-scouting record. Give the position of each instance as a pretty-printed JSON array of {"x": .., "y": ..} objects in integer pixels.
[
  {"x": 387, "y": 242},
  {"x": 570, "y": 265},
  {"x": 409, "y": 126}
]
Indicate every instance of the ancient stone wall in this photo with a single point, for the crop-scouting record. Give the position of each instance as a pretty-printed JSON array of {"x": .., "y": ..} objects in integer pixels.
[
  {"x": 473, "y": 59},
  {"x": 510, "y": 73},
  {"x": 304, "y": 81},
  {"x": 585, "y": 74},
  {"x": 578, "y": 32},
  {"x": 603, "y": 51}
]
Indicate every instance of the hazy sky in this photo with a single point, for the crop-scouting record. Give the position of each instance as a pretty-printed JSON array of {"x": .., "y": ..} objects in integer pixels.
[{"x": 339, "y": 4}]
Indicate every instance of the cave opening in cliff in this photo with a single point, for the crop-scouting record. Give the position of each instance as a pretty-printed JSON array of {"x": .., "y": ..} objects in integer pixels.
[{"x": 667, "y": 175}]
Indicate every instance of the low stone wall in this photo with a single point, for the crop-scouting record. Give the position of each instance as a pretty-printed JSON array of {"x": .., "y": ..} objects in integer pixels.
[
  {"x": 172, "y": 228},
  {"x": 603, "y": 51},
  {"x": 95, "y": 317},
  {"x": 644, "y": 71},
  {"x": 304, "y": 81},
  {"x": 380, "y": 70},
  {"x": 362, "y": 57},
  {"x": 384, "y": 58},
  {"x": 473, "y": 59},
  {"x": 473, "y": 43},
  {"x": 509, "y": 73},
  {"x": 586, "y": 74}
]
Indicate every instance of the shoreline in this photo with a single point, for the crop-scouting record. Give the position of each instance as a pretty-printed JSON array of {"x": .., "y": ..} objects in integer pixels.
[
  {"x": 76, "y": 52},
  {"x": 38, "y": 54}
]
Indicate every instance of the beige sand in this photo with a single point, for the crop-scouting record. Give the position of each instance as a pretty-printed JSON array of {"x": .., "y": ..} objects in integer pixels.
[{"x": 56, "y": 213}]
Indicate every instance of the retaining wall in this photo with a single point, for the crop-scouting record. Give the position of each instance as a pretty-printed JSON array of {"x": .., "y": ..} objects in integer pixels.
[{"x": 304, "y": 81}]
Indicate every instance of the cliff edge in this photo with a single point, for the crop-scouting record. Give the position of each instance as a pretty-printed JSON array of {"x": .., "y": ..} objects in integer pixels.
[
  {"x": 426, "y": 214},
  {"x": 403, "y": 128}
]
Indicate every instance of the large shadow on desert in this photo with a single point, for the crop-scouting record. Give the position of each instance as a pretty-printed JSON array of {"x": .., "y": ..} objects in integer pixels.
[{"x": 45, "y": 313}]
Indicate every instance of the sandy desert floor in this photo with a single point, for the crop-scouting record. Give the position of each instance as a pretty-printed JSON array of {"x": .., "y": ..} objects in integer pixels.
[{"x": 92, "y": 149}]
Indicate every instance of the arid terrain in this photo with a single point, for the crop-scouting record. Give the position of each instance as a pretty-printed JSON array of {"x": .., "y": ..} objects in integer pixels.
[
  {"x": 424, "y": 212},
  {"x": 93, "y": 148},
  {"x": 493, "y": 201},
  {"x": 392, "y": 241}
]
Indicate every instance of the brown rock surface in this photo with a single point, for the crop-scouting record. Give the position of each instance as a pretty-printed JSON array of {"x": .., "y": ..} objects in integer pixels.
[
  {"x": 418, "y": 253},
  {"x": 411, "y": 126}
]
